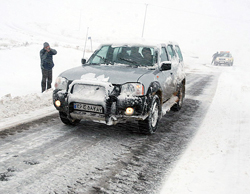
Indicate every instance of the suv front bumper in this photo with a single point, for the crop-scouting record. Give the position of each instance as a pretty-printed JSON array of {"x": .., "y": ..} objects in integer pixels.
[{"x": 114, "y": 108}]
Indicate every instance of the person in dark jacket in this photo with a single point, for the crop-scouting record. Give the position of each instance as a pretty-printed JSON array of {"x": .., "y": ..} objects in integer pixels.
[
  {"x": 47, "y": 64},
  {"x": 215, "y": 55}
]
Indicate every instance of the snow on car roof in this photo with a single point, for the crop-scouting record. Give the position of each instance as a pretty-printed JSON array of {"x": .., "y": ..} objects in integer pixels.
[{"x": 139, "y": 42}]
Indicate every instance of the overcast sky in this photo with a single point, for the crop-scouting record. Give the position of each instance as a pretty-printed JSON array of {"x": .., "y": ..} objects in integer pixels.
[{"x": 208, "y": 25}]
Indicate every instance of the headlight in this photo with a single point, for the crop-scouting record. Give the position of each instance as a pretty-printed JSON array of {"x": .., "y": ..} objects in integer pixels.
[
  {"x": 133, "y": 89},
  {"x": 61, "y": 83}
]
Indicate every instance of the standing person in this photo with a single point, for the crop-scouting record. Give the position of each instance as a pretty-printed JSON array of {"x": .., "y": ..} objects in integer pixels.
[
  {"x": 47, "y": 64},
  {"x": 215, "y": 55}
]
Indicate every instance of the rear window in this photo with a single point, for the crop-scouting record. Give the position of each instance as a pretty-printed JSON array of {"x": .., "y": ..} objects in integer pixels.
[{"x": 178, "y": 50}]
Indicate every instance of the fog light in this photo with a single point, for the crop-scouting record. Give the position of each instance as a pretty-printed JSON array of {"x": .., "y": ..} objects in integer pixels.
[
  {"x": 129, "y": 111},
  {"x": 58, "y": 103}
]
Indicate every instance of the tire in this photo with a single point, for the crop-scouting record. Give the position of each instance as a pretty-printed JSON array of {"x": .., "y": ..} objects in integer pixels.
[
  {"x": 66, "y": 121},
  {"x": 150, "y": 124},
  {"x": 180, "y": 95}
]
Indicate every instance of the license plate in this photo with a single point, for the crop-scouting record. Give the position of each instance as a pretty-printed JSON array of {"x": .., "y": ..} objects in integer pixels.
[{"x": 88, "y": 107}]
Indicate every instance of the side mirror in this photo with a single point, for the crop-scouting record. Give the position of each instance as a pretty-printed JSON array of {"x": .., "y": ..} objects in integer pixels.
[
  {"x": 166, "y": 65},
  {"x": 83, "y": 61}
]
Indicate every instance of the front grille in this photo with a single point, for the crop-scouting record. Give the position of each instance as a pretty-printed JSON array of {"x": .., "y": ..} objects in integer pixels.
[{"x": 88, "y": 91}]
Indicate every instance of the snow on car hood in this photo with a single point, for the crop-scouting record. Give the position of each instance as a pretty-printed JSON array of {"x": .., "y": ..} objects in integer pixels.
[{"x": 116, "y": 74}]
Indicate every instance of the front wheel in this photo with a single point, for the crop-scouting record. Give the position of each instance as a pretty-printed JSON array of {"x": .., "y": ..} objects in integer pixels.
[
  {"x": 66, "y": 121},
  {"x": 150, "y": 124}
]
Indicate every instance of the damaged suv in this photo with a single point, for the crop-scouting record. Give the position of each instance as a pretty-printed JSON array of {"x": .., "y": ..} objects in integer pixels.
[{"x": 123, "y": 82}]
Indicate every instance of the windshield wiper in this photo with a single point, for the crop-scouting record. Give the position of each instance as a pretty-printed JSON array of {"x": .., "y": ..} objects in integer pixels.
[
  {"x": 106, "y": 61},
  {"x": 100, "y": 57},
  {"x": 130, "y": 61}
]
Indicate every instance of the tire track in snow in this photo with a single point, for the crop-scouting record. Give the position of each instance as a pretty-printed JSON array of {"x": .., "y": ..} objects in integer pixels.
[{"x": 95, "y": 158}]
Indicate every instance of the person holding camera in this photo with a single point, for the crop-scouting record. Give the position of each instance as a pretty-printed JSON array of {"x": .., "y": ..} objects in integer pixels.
[{"x": 47, "y": 64}]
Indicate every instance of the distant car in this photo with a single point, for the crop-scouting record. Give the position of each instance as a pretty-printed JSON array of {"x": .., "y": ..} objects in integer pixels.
[
  {"x": 224, "y": 58},
  {"x": 123, "y": 82}
]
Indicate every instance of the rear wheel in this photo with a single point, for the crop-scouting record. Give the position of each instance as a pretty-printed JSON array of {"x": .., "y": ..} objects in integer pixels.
[
  {"x": 150, "y": 124},
  {"x": 180, "y": 95},
  {"x": 66, "y": 121}
]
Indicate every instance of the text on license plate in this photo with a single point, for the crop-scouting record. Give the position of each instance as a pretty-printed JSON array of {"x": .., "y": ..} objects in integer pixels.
[{"x": 88, "y": 107}]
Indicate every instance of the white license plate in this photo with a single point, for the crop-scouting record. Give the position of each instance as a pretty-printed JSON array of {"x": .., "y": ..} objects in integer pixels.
[{"x": 88, "y": 107}]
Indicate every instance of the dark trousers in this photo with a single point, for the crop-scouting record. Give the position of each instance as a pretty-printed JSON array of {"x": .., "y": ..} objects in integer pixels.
[{"x": 46, "y": 78}]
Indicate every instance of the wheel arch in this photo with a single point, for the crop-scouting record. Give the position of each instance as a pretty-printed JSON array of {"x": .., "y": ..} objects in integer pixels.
[{"x": 154, "y": 89}]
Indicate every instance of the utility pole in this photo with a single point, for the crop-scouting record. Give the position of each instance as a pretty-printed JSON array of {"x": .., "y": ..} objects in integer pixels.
[{"x": 144, "y": 20}]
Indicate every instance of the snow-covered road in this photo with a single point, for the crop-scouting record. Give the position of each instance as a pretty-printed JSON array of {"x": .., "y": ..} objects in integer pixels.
[
  {"x": 212, "y": 129},
  {"x": 45, "y": 156},
  {"x": 217, "y": 160}
]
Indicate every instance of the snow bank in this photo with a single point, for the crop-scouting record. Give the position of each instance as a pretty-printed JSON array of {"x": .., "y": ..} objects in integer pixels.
[
  {"x": 12, "y": 106},
  {"x": 20, "y": 109},
  {"x": 20, "y": 82}
]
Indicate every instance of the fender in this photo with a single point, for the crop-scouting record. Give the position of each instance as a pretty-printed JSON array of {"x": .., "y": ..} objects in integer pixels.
[{"x": 154, "y": 88}]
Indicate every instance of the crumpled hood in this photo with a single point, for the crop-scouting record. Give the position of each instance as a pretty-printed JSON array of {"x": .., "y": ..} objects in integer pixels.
[{"x": 116, "y": 74}]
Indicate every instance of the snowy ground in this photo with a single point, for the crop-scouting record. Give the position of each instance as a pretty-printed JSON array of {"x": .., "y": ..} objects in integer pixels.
[
  {"x": 216, "y": 161},
  {"x": 218, "y": 157},
  {"x": 20, "y": 92}
]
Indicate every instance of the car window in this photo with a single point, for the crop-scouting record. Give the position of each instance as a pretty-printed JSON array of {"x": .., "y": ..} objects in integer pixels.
[
  {"x": 171, "y": 51},
  {"x": 132, "y": 56},
  {"x": 178, "y": 50},
  {"x": 100, "y": 56},
  {"x": 164, "y": 55},
  {"x": 223, "y": 54}
]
